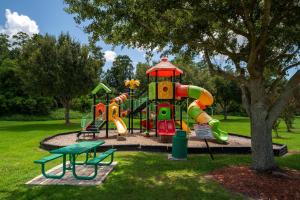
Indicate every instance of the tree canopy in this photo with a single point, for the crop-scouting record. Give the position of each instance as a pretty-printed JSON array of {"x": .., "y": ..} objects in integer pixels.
[
  {"x": 121, "y": 70},
  {"x": 61, "y": 67},
  {"x": 255, "y": 37}
]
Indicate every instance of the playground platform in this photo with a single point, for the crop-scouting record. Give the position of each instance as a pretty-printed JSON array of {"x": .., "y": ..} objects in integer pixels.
[{"x": 137, "y": 141}]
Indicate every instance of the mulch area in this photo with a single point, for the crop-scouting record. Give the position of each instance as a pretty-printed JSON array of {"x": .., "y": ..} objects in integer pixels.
[
  {"x": 138, "y": 139},
  {"x": 282, "y": 184}
]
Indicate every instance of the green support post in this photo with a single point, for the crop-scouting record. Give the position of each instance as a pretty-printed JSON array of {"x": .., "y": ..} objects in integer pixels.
[
  {"x": 107, "y": 110},
  {"x": 55, "y": 176},
  {"x": 156, "y": 97}
]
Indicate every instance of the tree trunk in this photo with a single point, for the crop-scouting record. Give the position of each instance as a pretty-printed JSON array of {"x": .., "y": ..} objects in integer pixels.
[
  {"x": 288, "y": 124},
  {"x": 261, "y": 130},
  {"x": 67, "y": 112},
  {"x": 225, "y": 112},
  {"x": 261, "y": 142}
]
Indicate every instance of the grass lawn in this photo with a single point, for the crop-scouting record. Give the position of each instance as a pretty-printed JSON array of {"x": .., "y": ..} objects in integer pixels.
[
  {"x": 241, "y": 125},
  {"x": 138, "y": 175}
]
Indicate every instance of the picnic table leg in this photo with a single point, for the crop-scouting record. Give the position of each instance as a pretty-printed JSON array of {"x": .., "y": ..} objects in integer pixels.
[
  {"x": 55, "y": 176},
  {"x": 69, "y": 167},
  {"x": 78, "y": 163},
  {"x": 83, "y": 177},
  {"x": 95, "y": 152}
]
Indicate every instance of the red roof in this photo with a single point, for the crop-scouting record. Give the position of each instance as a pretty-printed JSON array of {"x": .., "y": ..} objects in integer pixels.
[{"x": 164, "y": 69}]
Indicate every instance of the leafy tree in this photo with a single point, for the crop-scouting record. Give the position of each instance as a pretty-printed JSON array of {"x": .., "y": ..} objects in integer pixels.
[
  {"x": 226, "y": 92},
  {"x": 121, "y": 70},
  {"x": 195, "y": 73},
  {"x": 140, "y": 75},
  {"x": 4, "y": 47},
  {"x": 288, "y": 114},
  {"x": 275, "y": 127},
  {"x": 61, "y": 67},
  {"x": 18, "y": 40},
  {"x": 13, "y": 98},
  {"x": 253, "y": 36}
]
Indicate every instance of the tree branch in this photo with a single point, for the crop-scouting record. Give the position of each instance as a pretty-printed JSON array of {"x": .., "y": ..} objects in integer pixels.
[
  {"x": 265, "y": 25},
  {"x": 291, "y": 66},
  {"x": 219, "y": 71},
  {"x": 232, "y": 26},
  {"x": 280, "y": 55},
  {"x": 248, "y": 22},
  {"x": 282, "y": 100}
]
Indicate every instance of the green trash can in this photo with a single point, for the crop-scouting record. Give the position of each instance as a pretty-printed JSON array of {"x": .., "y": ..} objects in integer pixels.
[{"x": 179, "y": 146}]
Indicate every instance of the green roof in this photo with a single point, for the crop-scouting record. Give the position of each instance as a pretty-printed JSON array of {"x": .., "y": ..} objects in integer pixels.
[{"x": 99, "y": 87}]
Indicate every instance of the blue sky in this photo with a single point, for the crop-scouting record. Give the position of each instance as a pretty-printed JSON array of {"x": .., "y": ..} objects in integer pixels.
[{"x": 50, "y": 17}]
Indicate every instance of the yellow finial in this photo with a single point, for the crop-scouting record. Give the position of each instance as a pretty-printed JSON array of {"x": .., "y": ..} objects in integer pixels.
[{"x": 132, "y": 84}]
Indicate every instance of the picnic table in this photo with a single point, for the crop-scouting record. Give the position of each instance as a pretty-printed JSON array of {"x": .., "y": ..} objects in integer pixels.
[{"x": 72, "y": 151}]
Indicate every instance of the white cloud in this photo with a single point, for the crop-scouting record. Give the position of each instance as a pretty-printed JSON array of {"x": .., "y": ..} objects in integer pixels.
[
  {"x": 110, "y": 56},
  {"x": 18, "y": 23}
]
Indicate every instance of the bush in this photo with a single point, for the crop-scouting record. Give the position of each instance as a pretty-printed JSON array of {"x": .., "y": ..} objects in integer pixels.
[
  {"x": 44, "y": 105},
  {"x": 25, "y": 105},
  {"x": 82, "y": 104}
]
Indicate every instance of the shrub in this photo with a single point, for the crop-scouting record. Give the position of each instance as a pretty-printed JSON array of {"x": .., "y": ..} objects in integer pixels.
[{"x": 82, "y": 104}]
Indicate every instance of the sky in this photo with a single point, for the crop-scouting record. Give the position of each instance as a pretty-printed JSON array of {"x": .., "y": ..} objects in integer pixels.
[{"x": 48, "y": 16}]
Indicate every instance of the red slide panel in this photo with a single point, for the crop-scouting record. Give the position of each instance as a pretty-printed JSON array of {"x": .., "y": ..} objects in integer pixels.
[{"x": 166, "y": 127}]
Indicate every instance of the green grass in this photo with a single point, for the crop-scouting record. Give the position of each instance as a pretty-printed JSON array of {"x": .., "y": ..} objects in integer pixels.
[
  {"x": 241, "y": 125},
  {"x": 57, "y": 114},
  {"x": 138, "y": 175},
  {"x": 234, "y": 124}
]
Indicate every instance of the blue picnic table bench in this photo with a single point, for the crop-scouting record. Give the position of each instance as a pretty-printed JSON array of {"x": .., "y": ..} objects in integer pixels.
[{"x": 72, "y": 151}]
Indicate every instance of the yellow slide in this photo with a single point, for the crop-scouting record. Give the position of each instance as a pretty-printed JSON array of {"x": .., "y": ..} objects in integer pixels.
[
  {"x": 184, "y": 126},
  {"x": 121, "y": 127}
]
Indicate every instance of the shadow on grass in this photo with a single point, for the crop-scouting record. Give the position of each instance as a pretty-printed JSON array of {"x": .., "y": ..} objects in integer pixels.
[
  {"x": 145, "y": 176},
  {"x": 236, "y": 120}
]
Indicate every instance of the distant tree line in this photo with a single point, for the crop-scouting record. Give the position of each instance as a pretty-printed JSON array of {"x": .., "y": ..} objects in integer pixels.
[{"x": 42, "y": 73}]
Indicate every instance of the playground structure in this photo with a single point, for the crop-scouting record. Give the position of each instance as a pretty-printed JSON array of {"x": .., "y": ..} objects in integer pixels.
[
  {"x": 164, "y": 93},
  {"x": 167, "y": 92},
  {"x": 103, "y": 113}
]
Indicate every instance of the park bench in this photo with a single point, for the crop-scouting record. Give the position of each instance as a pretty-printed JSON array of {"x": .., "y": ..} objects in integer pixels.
[
  {"x": 46, "y": 159},
  {"x": 101, "y": 157}
]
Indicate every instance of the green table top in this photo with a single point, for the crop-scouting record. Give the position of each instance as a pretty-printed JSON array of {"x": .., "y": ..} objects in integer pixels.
[{"x": 78, "y": 148}]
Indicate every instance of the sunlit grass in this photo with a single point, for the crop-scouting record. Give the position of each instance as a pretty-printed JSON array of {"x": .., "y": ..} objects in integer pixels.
[{"x": 137, "y": 176}]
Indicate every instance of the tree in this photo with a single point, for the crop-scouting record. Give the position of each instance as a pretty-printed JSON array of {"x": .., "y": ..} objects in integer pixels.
[
  {"x": 4, "y": 47},
  {"x": 17, "y": 41},
  {"x": 61, "y": 67},
  {"x": 253, "y": 36},
  {"x": 195, "y": 73},
  {"x": 290, "y": 110},
  {"x": 275, "y": 127},
  {"x": 226, "y": 93},
  {"x": 121, "y": 70},
  {"x": 140, "y": 74}
]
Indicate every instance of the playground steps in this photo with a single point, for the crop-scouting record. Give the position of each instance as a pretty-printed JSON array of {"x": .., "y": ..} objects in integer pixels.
[
  {"x": 91, "y": 129},
  {"x": 139, "y": 108}
]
